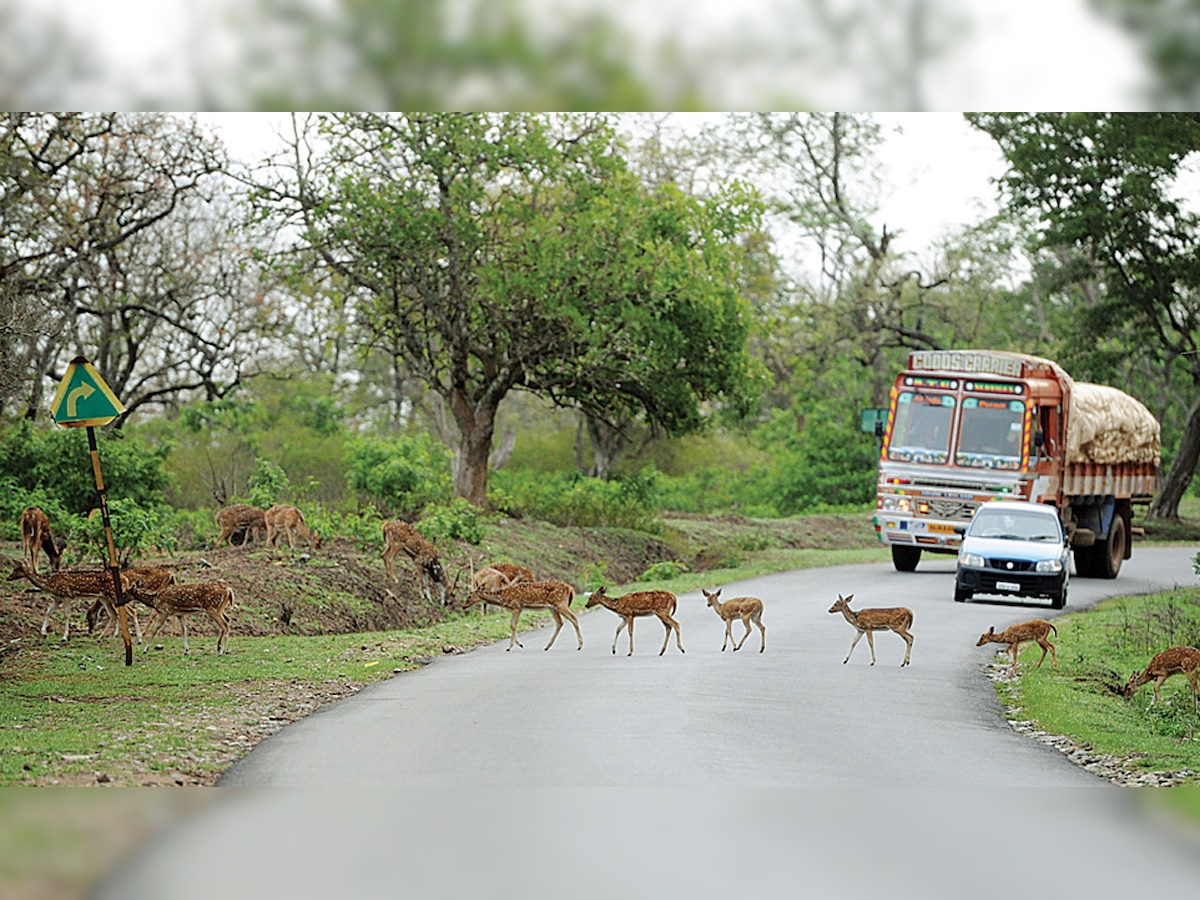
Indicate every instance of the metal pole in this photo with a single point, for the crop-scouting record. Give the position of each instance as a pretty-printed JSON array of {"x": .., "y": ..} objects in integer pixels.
[{"x": 113, "y": 565}]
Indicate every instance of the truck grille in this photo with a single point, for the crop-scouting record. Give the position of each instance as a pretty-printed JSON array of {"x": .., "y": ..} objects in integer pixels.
[{"x": 951, "y": 509}]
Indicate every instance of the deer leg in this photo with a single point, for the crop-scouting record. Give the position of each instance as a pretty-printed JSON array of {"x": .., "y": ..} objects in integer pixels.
[
  {"x": 728, "y": 635},
  {"x": 1046, "y": 646},
  {"x": 620, "y": 625},
  {"x": 1014, "y": 648},
  {"x": 667, "y": 636},
  {"x": 218, "y": 616},
  {"x": 762, "y": 628},
  {"x": 513, "y": 636},
  {"x": 629, "y": 625},
  {"x": 853, "y": 644},
  {"x": 1158, "y": 683},
  {"x": 566, "y": 611},
  {"x": 558, "y": 623},
  {"x": 678, "y": 634},
  {"x": 746, "y": 634},
  {"x": 871, "y": 644},
  {"x": 908, "y": 639}
]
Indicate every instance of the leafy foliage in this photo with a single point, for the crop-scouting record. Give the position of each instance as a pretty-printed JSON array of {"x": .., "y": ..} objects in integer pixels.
[
  {"x": 573, "y": 499},
  {"x": 400, "y": 475},
  {"x": 136, "y": 530},
  {"x": 457, "y": 520}
]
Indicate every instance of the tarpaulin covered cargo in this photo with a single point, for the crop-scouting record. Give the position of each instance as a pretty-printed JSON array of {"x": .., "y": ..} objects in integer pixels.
[{"x": 1107, "y": 426}]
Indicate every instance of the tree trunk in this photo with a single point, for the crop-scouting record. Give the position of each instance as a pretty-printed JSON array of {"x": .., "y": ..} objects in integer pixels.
[
  {"x": 1166, "y": 505},
  {"x": 476, "y": 425},
  {"x": 608, "y": 443}
]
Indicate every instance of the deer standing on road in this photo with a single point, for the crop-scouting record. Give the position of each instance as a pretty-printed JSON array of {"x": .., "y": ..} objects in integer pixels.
[
  {"x": 1175, "y": 661},
  {"x": 212, "y": 597},
  {"x": 251, "y": 521},
  {"x": 748, "y": 609},
  {"x": 36, "y": 537},
  {"x": 867, "y": 621},
  {"x": 640, "y": 603},
  {"x": 288, "y": 521},
  {"x": 555, "y": 596},
  {"x": 401, "y": 537},
  {"x": 1033, "y": 630}
]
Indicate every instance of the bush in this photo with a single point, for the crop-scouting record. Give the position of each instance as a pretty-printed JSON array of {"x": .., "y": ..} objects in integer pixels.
[
  {"x": 572, "y": 499},
  {"x": 136, "y": 529},
  {"x": 664, "y": 571},
  {"x": 456, "y": 520},
  {"x": 400, "y": 476}
]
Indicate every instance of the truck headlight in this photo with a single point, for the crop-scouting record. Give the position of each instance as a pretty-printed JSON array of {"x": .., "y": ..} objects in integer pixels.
[
  {"x": 972, "y": 560},
  {"x": 1050, "y": 565},
  {"x": 897, "y": 504}
]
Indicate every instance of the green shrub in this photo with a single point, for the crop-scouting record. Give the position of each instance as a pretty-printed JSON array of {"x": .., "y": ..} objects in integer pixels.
[
  {"x": 457, "y": 520},
  {"x": 268, "y": 485},
  {"x": 664, "y": 571},
  {"x": 400, "y": 476},
  {"x": 572, "y": 499},
  {"x": 593, "y": 575},
  {"x": 136, "y": 529}
]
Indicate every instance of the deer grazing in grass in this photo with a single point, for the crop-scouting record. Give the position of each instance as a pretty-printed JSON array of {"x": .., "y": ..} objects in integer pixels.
[
  {"x": 1175, "y": 661},
  {"x": 36, "y": 537},
  {"x": 867, "y": 621},
  {"x": 748, "y": 609},
  {"x": 151, "y": 578},
  {"x": 401, "y": 537},
  {"x": 212, "y": 597},
  {"x": 1033, "y": 630},
  {"x": 63, "y": 587},
  {"x": 640, "y": 603},
  {"x": 555, "y": 596},
  {"x": 288, "y": 521},
  {"x": 249, "y": 521}
]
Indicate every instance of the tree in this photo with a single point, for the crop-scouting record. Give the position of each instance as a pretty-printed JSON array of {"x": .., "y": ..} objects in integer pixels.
[
  {"x": 1102, "y": 188},
  {"x": 517, "y": 252},
  {"x": 102, "y": 244}
]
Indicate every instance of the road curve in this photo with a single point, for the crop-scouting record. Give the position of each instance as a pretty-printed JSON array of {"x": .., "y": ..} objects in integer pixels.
[{"x": 525, "y": 769}]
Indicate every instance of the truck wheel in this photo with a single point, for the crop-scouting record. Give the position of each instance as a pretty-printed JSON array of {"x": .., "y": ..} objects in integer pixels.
[
  {"x": 905, "y": 559},
  {"x": 1114, "y": 550}
]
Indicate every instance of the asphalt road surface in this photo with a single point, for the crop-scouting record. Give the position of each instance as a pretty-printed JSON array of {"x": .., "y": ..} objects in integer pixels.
[{"x": 783, "y": 773}]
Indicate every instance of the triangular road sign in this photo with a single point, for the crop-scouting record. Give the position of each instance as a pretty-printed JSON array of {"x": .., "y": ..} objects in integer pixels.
[{"x": 83, "y": 398}]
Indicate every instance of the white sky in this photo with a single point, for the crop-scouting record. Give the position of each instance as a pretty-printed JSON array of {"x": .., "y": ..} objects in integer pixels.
[{"x": 1023, "y": 54}]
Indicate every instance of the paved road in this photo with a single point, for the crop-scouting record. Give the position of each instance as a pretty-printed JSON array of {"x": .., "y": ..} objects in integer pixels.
[{"x": 531, "y": 772}]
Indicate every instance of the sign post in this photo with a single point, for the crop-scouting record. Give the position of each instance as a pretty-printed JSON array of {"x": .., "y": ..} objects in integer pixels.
[{"x": 84, "y": 400}]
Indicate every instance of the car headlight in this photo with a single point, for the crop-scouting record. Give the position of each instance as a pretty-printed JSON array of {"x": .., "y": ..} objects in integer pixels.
[
  {"x": 1050, "y": 565},
  {"x": 972, "y": 560}
]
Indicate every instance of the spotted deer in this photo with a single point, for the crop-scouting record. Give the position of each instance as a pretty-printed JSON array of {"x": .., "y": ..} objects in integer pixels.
[
  {"x": 748, "y": 609},
  {"x": 288, "y": 521},
  {"x": 867, "y": 621},
  {"x": 555, "y": 596},
  {"x": 36, "y": 537},
  {"x": 151, "y": 578},
  {"x": 400, "y": 537},
  {"x": 249, "y": 520},
  {"x": 211, "y": 597},
  {"x": 499, "y": 575},
  {"x": 1175, "y": 661},
  {"x": 640, "y": 603},
  {"x": 1033, "y": 630},
  {"x": 63, "y": 587}
]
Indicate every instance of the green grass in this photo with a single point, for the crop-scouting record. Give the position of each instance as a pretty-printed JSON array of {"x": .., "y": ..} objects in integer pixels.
[{"x": 1097, "y": 650}]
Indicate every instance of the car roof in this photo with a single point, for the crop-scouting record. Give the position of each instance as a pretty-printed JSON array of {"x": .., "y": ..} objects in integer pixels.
[{"x": 1019, "y": 506}]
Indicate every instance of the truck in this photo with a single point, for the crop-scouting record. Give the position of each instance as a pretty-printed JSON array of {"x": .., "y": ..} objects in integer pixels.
[{"x": 967, "y": 426}]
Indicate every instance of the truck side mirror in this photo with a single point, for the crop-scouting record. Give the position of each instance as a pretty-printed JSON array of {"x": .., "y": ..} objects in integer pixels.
[
  {"x": 960, "y": 529},
  {"x": 1039, "y": 438},
  {"x": 878, "y": 428}
]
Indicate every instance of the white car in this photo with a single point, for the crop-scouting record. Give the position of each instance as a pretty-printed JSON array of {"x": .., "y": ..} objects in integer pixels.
[{"x": 1014, "y": 548}]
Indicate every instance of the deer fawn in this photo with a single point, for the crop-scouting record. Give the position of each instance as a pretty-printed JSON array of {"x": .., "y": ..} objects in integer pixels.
[
  {"x": 63, "y": 587},
  {"x": 747, "y": 609},
  {"x": 36, "y": 537},
  {"x": 288, "y": 521},
  {"x": 251, "y": 521},
  {"x": 1033, "y": 630},
  {"x": 552, "y": 595},
  {"x": 640, "y": 603},
  {"x": 867, "y": 621},
  {"x": 212, "y": 597},
  {"x": 1176, "y": 661},
  {"x": 400, "y": 536}
]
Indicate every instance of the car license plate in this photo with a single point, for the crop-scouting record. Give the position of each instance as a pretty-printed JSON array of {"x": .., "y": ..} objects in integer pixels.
[{"x": 1007, "y": 586}]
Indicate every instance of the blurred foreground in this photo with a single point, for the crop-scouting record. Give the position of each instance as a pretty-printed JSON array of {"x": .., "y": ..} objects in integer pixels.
[{"x": 600, "y": 842}]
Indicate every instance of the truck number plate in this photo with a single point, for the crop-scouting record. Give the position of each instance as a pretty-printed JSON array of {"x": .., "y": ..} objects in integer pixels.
[
  {"x": 1007, "y": 586},
  {"x": 940, "y": 529}
]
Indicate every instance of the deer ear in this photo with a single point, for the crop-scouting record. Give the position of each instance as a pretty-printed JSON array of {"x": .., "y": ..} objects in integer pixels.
[{"x": 992, "y": 630}]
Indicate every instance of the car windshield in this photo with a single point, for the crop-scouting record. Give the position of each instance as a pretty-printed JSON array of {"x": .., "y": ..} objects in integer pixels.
[{"x": 1014, "y": 526}]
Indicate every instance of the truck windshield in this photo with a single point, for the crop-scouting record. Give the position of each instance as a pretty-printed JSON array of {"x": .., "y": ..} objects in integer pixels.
[
  {"x": 921, "y": 428},
  {"x": 991, "y": 433}
]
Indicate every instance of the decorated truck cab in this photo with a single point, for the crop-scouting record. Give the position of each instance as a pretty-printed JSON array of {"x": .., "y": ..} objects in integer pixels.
[{"x": 967, "y": 426}]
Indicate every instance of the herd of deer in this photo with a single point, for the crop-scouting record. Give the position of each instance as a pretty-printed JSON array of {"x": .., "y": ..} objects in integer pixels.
[{"x": 506, "y": 585}]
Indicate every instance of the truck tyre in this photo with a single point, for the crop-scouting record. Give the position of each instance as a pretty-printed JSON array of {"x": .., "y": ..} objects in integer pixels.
[
  {"x": 1109, "y": 561},
  {"x": 905, "y": 559}
]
